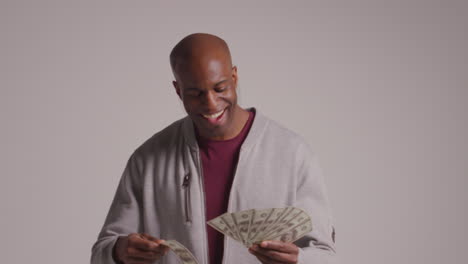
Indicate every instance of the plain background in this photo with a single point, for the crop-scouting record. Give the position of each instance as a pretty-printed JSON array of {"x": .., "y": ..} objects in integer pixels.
[{"x": 378, "y": 88}]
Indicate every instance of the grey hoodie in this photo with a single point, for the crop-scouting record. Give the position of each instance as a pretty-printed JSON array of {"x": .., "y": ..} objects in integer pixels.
[{"x": 276, "y": 168}]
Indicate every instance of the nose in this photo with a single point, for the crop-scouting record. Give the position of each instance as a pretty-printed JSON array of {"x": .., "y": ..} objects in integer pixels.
[{"x": 210, "y": 100}]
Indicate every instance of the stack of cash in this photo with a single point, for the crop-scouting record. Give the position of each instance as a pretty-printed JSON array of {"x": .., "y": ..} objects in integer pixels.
[
  {"x": 185, "y": 256},
  {"x": 254, "y": 226}
]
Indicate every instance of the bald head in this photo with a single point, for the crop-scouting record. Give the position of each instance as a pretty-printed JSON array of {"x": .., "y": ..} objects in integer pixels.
[
  {"x": 206, "y": 82},
  {"x": 199, "y": 47}
]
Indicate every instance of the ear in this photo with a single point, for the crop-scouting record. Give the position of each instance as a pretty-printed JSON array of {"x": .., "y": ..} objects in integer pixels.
[
  {"x": 177, "y": 88},
  {"x": 234, "y": 75}
]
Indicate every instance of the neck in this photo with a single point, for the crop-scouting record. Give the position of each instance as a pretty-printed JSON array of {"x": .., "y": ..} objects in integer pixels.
[{"x": 240, "y": 116}]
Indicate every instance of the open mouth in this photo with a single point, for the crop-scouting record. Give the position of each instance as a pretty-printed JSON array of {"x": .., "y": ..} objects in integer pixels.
[{"x": 215, "y": 117}]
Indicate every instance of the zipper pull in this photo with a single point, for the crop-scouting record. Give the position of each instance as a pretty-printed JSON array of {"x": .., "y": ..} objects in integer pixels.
[{"x": 186, "y": 180}]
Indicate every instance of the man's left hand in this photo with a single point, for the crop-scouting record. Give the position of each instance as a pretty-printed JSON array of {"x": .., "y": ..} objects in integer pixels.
[{"x": 275, "y": 252}]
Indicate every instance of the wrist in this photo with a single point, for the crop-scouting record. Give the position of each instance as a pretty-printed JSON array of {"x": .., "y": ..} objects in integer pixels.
[{"x": 115, "y": 256}]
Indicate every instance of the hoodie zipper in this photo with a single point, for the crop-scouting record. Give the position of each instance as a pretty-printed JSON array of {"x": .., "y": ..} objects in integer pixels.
[
  {"x": 226, "y": 241},
  {"x": 186, "y": 186},
  {"x": 203, "y": 204}
]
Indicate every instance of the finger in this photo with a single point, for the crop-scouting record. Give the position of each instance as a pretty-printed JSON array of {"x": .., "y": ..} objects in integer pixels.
[
  {"x": 274, "y": 255},
  {"x": 280, "y": 246},
  {"x": 278, "y": 256},
  {"x": 143, "y": 243},
  {"x": 263, "y": 259},
  {"x": 165, "y": 249},
  {"x": 151, "y": 238},
  {"x": 143, "y": 254},
  {"x": 161, "y": 248}
]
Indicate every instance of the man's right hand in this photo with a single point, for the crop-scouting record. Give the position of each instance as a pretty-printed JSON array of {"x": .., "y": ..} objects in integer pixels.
[{"x": 138, "y": 249}]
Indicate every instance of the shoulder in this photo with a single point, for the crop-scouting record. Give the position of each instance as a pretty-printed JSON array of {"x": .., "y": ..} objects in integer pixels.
[
  {"x": 277, "y": 134},
  {"x": 162, "y": 140},
  {"x": 284, "y": 145}
]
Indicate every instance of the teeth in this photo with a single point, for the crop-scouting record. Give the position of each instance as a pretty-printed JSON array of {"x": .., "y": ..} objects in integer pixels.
[{"x": 215, "y": 115}]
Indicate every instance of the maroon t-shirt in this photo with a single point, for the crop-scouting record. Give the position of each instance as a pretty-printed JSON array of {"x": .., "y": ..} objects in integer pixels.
[{"x": 219, "y": 160}]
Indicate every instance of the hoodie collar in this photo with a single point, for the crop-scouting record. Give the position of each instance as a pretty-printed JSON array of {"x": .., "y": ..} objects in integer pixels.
[{"x": 256, "y": 130}]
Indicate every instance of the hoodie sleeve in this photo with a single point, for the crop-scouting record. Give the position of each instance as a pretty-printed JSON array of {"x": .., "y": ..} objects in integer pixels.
[
  {"x": 123, "y": 217},
  {"x": 317, "y": 247}
]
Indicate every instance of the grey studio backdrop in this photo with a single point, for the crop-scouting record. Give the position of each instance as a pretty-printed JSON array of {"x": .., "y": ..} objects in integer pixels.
[{"x": 378, "y": 88}]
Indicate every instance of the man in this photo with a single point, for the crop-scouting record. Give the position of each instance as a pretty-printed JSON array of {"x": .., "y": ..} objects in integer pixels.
[{"x": 220, "y": 158}]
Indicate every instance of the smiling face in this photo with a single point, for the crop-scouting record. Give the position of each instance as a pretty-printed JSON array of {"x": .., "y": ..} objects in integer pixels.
[
  {"x": 206, "y": 82},
  {"x": 207, "y": 87}
]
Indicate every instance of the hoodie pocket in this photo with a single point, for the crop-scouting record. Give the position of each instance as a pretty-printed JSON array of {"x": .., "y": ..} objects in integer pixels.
[{"x": 187, "y": 202}]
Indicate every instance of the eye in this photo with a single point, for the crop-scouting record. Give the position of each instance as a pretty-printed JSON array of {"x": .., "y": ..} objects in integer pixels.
[
  {"x": 220, "y": 89},
  {"x": 193, "y": 92}
]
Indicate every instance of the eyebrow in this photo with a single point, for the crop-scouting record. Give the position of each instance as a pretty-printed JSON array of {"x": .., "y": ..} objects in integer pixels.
[
  {"x": 218, "y": 83},
  {"x": 191, "y": 89}
]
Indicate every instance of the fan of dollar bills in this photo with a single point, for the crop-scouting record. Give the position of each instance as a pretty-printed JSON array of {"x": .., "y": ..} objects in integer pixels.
[
  {"x": 185, "y": 256},
  {"x": 254, "y": 226}
]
